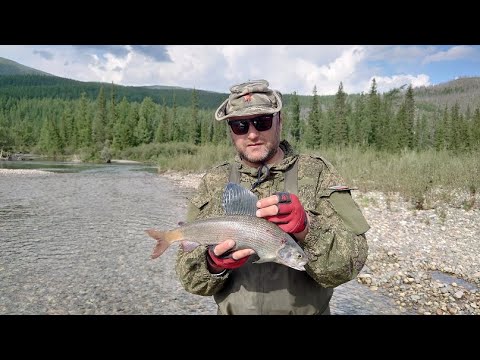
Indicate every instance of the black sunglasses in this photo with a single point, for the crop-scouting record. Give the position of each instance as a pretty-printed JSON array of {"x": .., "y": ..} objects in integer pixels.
[{"x": 261, "y": 123}]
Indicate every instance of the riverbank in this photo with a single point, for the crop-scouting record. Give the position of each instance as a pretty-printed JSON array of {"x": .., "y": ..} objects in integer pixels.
[
  {"x": 426, "y": 261},
  {"x": 24, "y": 172}
]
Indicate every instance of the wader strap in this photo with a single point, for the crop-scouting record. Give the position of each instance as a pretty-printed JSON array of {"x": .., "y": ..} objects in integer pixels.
[
  {"x": 291, "y": 177},
  {"x": 234, "y": 176}
]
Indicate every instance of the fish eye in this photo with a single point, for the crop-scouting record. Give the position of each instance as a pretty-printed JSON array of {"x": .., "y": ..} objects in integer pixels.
[{"x": 299, "y": 256}]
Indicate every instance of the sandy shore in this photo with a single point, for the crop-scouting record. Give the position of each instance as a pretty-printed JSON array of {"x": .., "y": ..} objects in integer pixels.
[{"x": 427, "y": 261}]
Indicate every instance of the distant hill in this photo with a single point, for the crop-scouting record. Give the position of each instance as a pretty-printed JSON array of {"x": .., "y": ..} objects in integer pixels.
[
  {"x": 464, "y": 90},
  {"x": 9, "y": 67},
  {"x": 19, "y": 81}
]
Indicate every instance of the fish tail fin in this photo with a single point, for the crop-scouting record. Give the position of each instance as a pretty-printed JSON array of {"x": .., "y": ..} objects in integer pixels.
[{"x": 164, "y": 239}]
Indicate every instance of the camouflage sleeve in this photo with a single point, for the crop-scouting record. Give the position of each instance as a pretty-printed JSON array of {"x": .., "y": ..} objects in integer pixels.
[
  {"x": 336, "y": 241},
  {"x": 192, "y": 272},
  {"x": 191, "y": 267}
]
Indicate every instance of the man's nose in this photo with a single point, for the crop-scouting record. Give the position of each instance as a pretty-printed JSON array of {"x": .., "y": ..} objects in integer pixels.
[{"x": 252, "y": 132}]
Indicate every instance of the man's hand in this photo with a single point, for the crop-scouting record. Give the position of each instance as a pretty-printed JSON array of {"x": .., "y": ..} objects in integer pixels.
[
  {"x": 285, "y": 210},
  {"x": 217, "y": 263}
]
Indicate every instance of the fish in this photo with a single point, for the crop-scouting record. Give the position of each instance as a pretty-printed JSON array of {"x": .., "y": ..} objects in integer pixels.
[{"x": 239, "y": 223}]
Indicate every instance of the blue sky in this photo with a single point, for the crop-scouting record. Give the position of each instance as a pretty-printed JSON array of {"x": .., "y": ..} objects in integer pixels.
[{"x": 288, "y": 68}]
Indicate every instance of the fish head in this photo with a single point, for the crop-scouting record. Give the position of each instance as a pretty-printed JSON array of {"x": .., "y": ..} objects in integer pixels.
[{"x": 292, "y": 255}]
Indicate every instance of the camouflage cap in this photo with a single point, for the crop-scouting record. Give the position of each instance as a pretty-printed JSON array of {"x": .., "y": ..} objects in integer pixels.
[{"x": 250, "y": 98}]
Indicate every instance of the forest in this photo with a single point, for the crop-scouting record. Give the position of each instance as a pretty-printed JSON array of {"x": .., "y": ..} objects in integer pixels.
[{"x": 96, "y": 126}]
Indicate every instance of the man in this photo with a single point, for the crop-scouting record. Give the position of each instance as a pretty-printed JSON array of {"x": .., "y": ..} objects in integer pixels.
[{"x": 302, "y": 194}]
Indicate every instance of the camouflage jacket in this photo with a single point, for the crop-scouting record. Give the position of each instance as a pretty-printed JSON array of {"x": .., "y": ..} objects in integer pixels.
[{"x": 336, "y": 242}]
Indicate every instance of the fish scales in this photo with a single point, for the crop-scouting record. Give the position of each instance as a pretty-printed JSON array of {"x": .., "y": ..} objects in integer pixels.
[{"x": 248, "y": 232}]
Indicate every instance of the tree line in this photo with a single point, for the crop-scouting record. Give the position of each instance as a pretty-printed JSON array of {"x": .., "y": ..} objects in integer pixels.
[{"x": 110, "y": 123}]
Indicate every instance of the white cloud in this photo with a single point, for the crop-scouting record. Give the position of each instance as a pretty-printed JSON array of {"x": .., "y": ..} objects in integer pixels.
[
  {"x": 111, "y": 68},
  {"x": 454, "y": 53},
  {"x": 386, "y": 83}
]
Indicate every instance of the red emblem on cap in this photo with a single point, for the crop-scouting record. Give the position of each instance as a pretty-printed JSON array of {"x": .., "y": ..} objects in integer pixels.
[{"x": 247, "y": 97}]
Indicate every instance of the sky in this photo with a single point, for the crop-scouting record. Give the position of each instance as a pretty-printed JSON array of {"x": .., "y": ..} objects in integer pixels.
[{"x": 288, "y": 68}]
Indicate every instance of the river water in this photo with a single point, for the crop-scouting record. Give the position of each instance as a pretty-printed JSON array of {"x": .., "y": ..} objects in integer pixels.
[{"x": 72, "y": 241}]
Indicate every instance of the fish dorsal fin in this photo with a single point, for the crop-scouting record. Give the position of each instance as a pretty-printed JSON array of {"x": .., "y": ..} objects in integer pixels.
[{"x": 239, "y": 201}]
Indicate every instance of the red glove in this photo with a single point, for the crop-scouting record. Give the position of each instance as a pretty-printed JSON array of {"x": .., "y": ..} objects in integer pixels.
[
  {"x": 217, "y": 263},
  {"x": 291, "y": 216}
]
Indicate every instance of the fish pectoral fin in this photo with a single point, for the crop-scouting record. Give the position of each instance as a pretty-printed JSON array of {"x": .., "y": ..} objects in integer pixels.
[{"x": 188, "y": 246}]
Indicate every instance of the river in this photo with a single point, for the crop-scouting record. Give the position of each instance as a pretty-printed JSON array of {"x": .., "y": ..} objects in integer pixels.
[{"x": 72, "y": 241}]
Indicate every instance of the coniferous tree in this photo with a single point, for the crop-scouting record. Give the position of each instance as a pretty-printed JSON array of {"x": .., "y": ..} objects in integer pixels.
[
  {"x": 313, "y": 135},
  {"x": 100, "y": 120},
  {"x": 144, "y": 127},
  {"x": 6, "y": 141},
  {"x": 70, "y": 132},
  {"x": 112, "y": 116},
  {"x": 421, "y": 133},
  {"x": 295, "y": 118},
  {"x": 122, "y": 132},
  {"x": 340, "y": 131},
  {"x": 206, "y": 129},
  {"x": 177, "y": 131},
  {"x": 409, "y": 118},
  {"x": 220, "y": 131},
  {"x": 442, "y": 131},
  {"x": 476, "y": 129},
  {"x": 373, "y": 109},
  {"x": 50, "y": 141},
  {"x": 454, "y": 121},
  {"x": 83, "y": 123},
  {"x": 362, "y": 121},
  {"x": 133, "y": 119},
  {"x": 163, "y": 130},
  {"x": 194, "y": 136}
]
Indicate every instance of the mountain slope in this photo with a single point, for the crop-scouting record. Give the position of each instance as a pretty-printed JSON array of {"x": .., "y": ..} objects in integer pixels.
[
  {"x": 465, "y": 91},
  {"x": 9, "y": 67}
]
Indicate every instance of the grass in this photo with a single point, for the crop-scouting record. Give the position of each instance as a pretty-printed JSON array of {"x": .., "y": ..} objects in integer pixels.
[{"x": 423, "y": 178}]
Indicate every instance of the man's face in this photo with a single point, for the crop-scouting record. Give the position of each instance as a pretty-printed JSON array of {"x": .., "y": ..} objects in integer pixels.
[{"x": 256, "y": 146}]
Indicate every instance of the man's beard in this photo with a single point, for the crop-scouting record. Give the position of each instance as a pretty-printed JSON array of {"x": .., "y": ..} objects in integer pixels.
[{"x": 260, "y": 159}]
